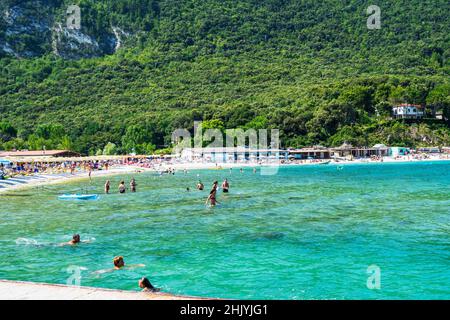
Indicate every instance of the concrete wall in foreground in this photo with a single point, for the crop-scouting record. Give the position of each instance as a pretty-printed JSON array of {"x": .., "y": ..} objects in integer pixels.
[{"x": 16, "y": 290}]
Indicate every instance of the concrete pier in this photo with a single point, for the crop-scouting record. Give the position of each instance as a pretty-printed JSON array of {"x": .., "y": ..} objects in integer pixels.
[{"x": 15, "y": 290}]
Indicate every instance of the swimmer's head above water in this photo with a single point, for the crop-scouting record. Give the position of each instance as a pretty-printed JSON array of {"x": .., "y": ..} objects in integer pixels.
[
  {"x": 145, "y": 284},
  {"x": 75, "y": 239},
  {"x": 118, "y": 262}
]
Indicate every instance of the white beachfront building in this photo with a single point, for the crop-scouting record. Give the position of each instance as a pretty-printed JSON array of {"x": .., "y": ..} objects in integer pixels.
[
  {"x": 408, "y": 111},
  {"x": 232, "y": 154}
]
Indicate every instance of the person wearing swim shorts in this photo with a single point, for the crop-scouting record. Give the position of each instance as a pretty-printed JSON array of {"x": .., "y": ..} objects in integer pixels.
[
  {"x": 122, "y": 187},
  {"x": 133, "y": 185},
  {"x": 225, "y": 186}
]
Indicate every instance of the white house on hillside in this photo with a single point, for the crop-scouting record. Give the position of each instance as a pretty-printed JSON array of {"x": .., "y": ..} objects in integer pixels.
[{"x": 408, "y": 111}]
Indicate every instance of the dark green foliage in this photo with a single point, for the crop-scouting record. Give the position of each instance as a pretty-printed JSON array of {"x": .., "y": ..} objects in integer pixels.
[{"x": 309, "y": 68}]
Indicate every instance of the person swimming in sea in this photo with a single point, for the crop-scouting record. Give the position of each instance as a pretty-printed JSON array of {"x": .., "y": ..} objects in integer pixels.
[
  {"x": 122, "y": 187},
  {"x": 200, "y": 186},
  {"x": 119, "y": 264},
  {"x": 107, "y": 186},
  {"x": 76, "y": 239},
  {"x": 212, "y": 195},
  {"x": 146, "y": 286},
  {"x": 225, "y": 186},
  {"x": 133, "y": 185}
]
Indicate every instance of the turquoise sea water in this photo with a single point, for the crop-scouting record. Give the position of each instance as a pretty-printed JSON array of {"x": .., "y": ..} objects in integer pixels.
[{"x": 305, "y": 233}]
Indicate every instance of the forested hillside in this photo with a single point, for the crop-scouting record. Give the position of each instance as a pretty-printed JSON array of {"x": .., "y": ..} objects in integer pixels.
[{"x": 137, "y": 70}]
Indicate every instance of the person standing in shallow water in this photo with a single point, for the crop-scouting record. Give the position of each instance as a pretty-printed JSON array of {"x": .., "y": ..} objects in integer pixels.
[
  {"x": 90, "y": 172},
  {"x": 122, "y": 187},
  {"x": 212, "y": 195},
  {"x": 133, "y": 185},
  {"x": 225, "y": 186},
  {"x": 107, "y": 186}
]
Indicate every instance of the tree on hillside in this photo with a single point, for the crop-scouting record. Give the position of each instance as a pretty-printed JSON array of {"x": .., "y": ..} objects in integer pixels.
[
  {"x": 137, "y": 139},
  {"x": 7, "y": 132},
  {"x": 439, "y": 97}
]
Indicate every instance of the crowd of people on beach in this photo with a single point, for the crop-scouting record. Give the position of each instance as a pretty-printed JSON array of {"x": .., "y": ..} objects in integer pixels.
[{"x": 30, "y": 168}]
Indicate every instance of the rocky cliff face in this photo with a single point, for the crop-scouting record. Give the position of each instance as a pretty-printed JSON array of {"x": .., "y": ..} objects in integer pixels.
[{"x": 35, "y": 28}]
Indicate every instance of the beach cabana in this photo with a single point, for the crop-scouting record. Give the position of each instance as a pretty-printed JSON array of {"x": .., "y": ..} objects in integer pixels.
[
  {"x": 231, "y": 154},
  {"x": 399, "y": 151},
  {"x": 5, "y": 162},
  {"x": 431, "y": 150},
  {"x": 310, "y": 153},
  {"x": 347, "y": 150}
]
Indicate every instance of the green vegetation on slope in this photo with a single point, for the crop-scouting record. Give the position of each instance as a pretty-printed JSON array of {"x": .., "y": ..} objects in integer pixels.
[{"x": 309, "y": 68}]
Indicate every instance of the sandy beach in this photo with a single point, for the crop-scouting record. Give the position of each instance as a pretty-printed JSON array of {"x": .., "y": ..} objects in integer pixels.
[{"x": 51, "y": 179}]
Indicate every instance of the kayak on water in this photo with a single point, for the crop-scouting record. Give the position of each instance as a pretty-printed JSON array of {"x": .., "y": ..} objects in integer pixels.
[{"x": 78, "y": 197}]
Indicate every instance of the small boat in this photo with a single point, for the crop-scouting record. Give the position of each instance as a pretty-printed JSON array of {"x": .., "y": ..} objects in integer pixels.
[
  {"x": 78, "y": 197},
  {"x": 324, "y": 163}
]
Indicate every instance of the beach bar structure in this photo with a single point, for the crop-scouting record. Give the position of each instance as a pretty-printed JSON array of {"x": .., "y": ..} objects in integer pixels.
[
  {"x": 232, "y": 154},
  {"x": 429, "y": 150},
  {"x": 347, "y": 150},
  {"x": 40, "y": 153},
  {"x": 310, "y": 153},
  {"x": 399, "y": 151}
]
